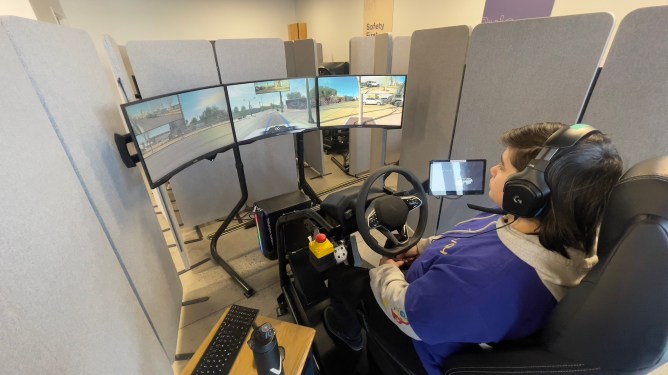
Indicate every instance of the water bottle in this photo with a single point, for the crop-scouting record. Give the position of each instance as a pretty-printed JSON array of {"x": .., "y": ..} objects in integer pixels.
[{"x": 263, "y": 343}]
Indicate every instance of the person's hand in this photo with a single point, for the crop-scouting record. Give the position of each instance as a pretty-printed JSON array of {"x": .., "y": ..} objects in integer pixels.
[
  {"x": 390, "y": 261},
  {"x": 409, "y": 256}
]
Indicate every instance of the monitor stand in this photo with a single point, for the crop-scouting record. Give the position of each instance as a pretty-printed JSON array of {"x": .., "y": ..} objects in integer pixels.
[{"x": 248, "y": 290}]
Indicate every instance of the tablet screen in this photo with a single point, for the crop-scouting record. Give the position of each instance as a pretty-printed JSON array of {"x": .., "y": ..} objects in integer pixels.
[{"x": 456, "y": 177}]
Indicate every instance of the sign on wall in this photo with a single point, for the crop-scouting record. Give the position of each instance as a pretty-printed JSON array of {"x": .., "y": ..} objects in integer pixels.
[
  {"x": 508, "y": 10},
  {"x": 378, "y": 16}
]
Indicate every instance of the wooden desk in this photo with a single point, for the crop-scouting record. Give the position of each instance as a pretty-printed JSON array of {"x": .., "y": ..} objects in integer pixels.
[{"x": 294, "y": 338}]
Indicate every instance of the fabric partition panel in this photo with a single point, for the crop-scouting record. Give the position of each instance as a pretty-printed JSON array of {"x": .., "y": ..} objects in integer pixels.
[
  {"x": 269, "y": 164},
  {"x": 203, "y": 191},
  {"x": 361, "y": 62},
  {"x": 67, "y": 306},
  {"x": 629, "y": 100},
  {"x": 290, "y": 58},
  {"x": 401, "y": 48},
  {"x": 306, "y": 65},
  {"x": 435, "y": 74},
  {"x": 319, "y": 53},
  {"x": 118, "y": 69},
  {"x": 382, "y": 64},
  {"x": 165, "y": 66},
  {"x": 84, "y": 111},
  {"x": 517, "y": 73}
]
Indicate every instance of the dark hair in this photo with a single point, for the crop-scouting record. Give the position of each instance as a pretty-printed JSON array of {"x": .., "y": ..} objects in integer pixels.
[{"x": 581, "y": 179}]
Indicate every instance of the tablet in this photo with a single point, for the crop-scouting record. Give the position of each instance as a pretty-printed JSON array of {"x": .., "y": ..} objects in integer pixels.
[{"x": 456, "y": 177}]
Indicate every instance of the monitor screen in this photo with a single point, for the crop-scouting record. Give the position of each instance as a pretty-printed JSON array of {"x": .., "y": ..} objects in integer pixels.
[
  {"x": 456, "y": 177},
  {"x": 174, "y": 131},
  {"x": 361, "y": 101},
  {"x": 267, "y": 108}
]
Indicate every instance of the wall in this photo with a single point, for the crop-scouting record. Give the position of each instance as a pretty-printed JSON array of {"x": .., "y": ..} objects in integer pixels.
[
  {"x": 331, "y": 23},
  {"x": 127, "y": 20},
  {"x": 19, "y": 8}
]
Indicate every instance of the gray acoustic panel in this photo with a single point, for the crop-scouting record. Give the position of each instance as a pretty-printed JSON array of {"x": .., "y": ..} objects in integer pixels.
[
  {"x": 70, "y": 80},
  {"x": 206, "y": 190},
  {"x": 306, "y": 65},
  {"x": 319, "y": 54},
  {"x": 242, "y": 60},
  {"x": 382, "y": 64},
  {"x": 517, "y": 73},
  {"x": 435, "y": 74},
  {"x": 66, "y": 306},
  {"x": 361, "y": 62},
  {"x": 401, "y": 49},
  {"x": 290, "y": 58},
  {"x": 118, "y": 69},
  {"x": 382, "y": 59},
  {"x": 165, "y": 66},
  {"x": 630, "y": 96},
  {"x": 269, "y": 164}
]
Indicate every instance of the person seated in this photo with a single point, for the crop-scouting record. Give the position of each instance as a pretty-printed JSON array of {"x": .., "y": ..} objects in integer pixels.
[{"x": 491, "y": 278}]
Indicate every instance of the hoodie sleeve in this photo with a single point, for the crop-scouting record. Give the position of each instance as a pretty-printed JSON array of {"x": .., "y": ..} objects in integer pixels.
[
  {"x": 424, "y": 243},
  {"x": 389, "y": 287}
]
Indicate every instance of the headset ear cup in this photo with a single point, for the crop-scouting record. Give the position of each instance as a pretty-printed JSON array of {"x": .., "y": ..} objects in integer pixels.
[{"x": 525, "y": 193}]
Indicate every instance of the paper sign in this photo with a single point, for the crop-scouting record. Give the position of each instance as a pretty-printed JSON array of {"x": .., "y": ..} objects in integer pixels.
[
  {"x": 509, "y": 10},
  {"x": 378, "y": 16}
]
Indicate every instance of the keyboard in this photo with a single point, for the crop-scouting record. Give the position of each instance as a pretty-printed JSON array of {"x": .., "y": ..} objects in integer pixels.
[{"x": 226, "y": 344}]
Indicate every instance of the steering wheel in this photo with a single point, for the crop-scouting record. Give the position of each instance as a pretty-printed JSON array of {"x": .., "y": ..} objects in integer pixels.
[{"x": 389, "y": 213}]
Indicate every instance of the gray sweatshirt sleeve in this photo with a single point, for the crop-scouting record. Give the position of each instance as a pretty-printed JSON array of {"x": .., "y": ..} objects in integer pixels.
[
  {"x": 424, "y": 243},
  {"x": 389, "y": 287}
]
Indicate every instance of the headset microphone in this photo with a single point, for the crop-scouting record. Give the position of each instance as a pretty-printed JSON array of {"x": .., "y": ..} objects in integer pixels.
[{"x": 489, "y": 210}]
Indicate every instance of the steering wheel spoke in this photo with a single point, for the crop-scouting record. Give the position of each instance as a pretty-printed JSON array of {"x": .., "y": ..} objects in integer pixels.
[
  {"x": 372, "y": 219},
  {"x": 412, "y": 202}
]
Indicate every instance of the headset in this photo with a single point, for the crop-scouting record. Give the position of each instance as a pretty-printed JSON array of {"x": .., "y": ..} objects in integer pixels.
[{"x": 525, "y": 193}]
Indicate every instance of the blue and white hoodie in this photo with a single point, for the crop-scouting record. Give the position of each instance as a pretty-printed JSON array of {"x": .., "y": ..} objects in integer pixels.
[{"x": 497, "y": 285}]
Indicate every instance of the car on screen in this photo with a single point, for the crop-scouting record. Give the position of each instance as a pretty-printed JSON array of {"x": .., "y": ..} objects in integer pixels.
[
  {"x": 372, "y": 84},
  {"x": 372, "y": 101}
]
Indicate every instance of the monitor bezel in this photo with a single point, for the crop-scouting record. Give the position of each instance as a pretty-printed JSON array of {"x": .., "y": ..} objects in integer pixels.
[
  {"x": 475, "y": 192},
  {"x": 387, "y": 127},
  {"x": 265, "y": 136},
  {"x": 155, "y": 183}
]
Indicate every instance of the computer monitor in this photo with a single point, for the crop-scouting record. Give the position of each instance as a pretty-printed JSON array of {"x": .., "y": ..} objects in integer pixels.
[
  {"x": 264, "y": 109},
  {"x": 361, "y": 101},
  {"x": 174, "y": 131}
]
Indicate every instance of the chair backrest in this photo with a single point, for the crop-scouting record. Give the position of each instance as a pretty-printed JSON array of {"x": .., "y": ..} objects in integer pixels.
[{"x": 617, "y": 318}]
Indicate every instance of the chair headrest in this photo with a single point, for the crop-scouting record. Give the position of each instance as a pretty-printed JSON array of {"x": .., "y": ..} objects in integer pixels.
[{"x": 642, "y": 191}]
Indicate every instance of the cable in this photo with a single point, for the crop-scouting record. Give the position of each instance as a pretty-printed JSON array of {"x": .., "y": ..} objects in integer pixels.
[{"x": 487, "y": 231}]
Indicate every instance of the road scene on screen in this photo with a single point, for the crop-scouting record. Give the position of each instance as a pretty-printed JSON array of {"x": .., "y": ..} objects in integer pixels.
[
  {"x": 174, "y": 130},
  {"x": 361, "y": 100},
  {"x": 261, "y": 109}
]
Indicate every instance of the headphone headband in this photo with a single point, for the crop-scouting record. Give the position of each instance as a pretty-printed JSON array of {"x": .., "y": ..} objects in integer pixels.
[{"x": 525, "y": 193}]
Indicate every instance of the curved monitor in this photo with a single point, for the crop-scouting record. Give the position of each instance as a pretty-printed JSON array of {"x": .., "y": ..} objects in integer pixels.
[
  {"x": 264, "y": 109},
  {"x": 361, "y": 101},
  {"x": 174, "y": 131}
]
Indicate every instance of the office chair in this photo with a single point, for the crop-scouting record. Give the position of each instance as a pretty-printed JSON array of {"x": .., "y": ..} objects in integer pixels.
[{"x": 616, "y": 320}]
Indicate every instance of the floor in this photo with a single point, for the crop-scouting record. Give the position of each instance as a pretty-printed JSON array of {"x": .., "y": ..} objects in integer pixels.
[{"x": 239, "y": 247}]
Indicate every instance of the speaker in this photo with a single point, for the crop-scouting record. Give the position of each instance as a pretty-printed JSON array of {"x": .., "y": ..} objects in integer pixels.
[{"x": 525, "y": 193}]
